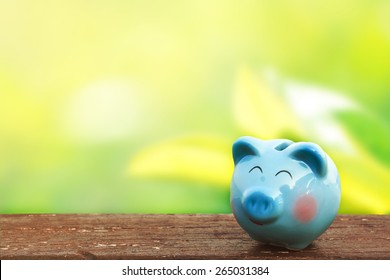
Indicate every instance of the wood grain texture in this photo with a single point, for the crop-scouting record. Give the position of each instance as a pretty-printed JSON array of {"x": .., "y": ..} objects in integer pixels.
[{"x": 136, "y": 236}]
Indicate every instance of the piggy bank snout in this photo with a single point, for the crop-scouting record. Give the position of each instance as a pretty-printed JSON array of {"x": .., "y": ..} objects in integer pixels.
[{"x": 260, "y": 208}]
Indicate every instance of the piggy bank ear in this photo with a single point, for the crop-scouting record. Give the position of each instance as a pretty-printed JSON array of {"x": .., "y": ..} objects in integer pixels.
[
  {"x": 244, "y": 146},
  {"x": 312, "y": 155}
]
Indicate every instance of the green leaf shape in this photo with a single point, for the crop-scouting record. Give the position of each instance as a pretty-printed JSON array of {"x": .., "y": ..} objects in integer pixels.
[
  {"x": 368, "y": 131},
  {"x": 364, "y": 183},
  {"x": 261, "y": 111},
  {"x": 365, "y": 175},
  {"x": 198, "y": 158}
]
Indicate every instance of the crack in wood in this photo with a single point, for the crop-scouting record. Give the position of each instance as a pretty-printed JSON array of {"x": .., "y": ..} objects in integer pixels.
[{"x": 87, "y": 255}]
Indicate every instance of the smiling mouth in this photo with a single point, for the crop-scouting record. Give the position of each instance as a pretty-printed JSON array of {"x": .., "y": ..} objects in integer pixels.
[{"x": 256, "y": 223}]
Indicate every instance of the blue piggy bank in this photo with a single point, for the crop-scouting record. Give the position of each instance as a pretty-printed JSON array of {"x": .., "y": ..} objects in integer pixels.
[{"x": 283, "y": 193}]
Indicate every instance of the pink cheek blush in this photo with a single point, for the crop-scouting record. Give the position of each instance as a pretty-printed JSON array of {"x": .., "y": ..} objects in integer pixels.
[{"x": 305, "y": 208}]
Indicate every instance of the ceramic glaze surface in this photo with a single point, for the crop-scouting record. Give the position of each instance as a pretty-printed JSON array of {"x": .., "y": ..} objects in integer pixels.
[{"x": 283, "y": 193}]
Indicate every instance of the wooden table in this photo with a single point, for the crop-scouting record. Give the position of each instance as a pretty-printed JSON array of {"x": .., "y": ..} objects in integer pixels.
[{"x": 136, "y": 236}]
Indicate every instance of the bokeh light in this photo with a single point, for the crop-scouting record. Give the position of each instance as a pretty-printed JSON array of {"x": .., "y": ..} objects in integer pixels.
[{"x": 132, "y": 106}]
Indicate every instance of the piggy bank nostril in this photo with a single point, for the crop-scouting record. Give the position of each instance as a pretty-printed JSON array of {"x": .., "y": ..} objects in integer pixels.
[{"x": 266, "y": 206}]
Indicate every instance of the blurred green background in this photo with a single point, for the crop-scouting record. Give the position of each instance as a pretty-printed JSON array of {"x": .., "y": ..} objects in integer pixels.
[{"x": 132, "y": 106}]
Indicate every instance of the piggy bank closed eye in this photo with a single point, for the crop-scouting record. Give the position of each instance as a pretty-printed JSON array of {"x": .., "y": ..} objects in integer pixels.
[{"x": 283, "y": 193}]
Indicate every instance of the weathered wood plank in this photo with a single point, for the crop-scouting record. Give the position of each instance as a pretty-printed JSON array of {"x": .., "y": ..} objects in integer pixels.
[{"x": 136, "y": 236}]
